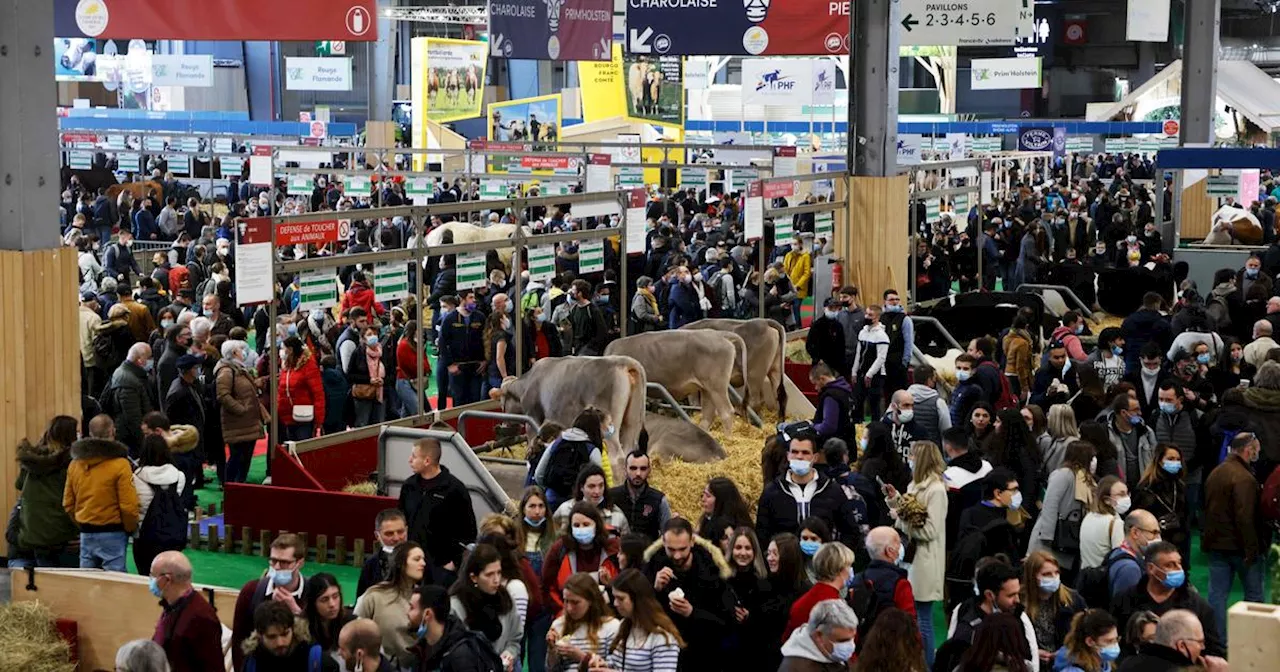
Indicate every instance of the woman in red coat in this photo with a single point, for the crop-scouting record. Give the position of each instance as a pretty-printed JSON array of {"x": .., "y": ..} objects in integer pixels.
[
  {"x": 407, "y": 364},
  {"x": 301, "y": 392}
]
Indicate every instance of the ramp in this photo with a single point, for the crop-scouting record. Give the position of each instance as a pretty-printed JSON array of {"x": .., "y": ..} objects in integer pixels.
[
  {"x": 395, "y": 445},
  {"x": 798, "y": 405}
]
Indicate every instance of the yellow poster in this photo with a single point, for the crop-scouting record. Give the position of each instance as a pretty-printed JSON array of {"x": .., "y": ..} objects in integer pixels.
[{"x": 603, "y": 88}]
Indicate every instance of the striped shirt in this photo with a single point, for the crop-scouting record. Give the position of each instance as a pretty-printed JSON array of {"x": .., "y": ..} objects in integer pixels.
[
  {"x": 652, "y": 652},
  {"x": 578, "y": 639},
  {"x": 520, "y": 596}
]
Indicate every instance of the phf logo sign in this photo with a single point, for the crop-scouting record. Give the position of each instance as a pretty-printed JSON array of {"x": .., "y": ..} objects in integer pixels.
[
  {"x": 823, "y": 82},
  {"x": 775, "y": 81}
]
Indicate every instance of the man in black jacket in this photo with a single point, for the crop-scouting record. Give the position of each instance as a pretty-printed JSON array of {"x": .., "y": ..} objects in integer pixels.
[
  {"x": 437, "y": 507},
  {"x": 447, "y": 645},
  {"x": 1166, "y": 589},
  {"x": 802, "y": 492},
  {"x": 826, "y": 342},
  {"x": 391, "y": 529},
  {"x": 1179, "y": 645},
  {"x": 690, "y": 576}
]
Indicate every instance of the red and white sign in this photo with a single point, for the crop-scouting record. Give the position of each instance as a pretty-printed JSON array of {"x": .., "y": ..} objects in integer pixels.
[
  {"x": 1171, "y": 127},
  {"x": 72, "y": 138},
  {"x": 482, "y": 145},
  {"x": 234, "y": 20},
  {"x": 262, "y": 150},
  {"x": 779, "y": 189},
  {"x": 754, "y": 190},
  {"x": 304, "y": 117},
  {"x": 337, "y": 48},
  {"x": 324, "y": 231},
  {"x": 784, "y": 151},
  {"x": 254, "y": 230},
  {"x": 547, "y": 162},
  {"x": 601, "y": 159},
  {"x": 1075, "y": 31},
  {"x": 319, "y": 129},
  {"x": 639, "y": 196},
  {"x": 344, "y": 229}
]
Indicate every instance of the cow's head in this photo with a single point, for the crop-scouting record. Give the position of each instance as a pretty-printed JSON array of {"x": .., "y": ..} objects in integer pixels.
[{"x": 509, "y": 394}]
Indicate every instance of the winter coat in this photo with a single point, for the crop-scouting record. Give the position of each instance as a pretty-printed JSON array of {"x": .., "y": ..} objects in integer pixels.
[
  {"x": 1232, "y": 520},
  {"x": 932, "y": 417},
  {"x": 1156, "y": 658},
  {"x": 161, "y": 477},
  {"x": 241, "y": 410},
  {"x": 1140, "y": 328},
  {"x": 1126, "y": 604},
  {"x": 389, "y": 608},
  {"x": 1059, "y": 498},
  {"x": 359, "y": 294},
  {"x": 706, "y": 587},
  {"x": 512, "y": 627},
  {"x": 190, "y": 634},
  {"x": 99, "y": 495},
  {"x": 1262, "y": 407},
  {"x": 439, "y": 515},
  {"x": 928, "y": 568},
  {"x": 301, "y": 384},
  {"x": 799, "y": 269},
  {"x": 778, "y": 510},
  {"x": 132, "y": 401},
  {"x": 1018, "y": 357},
  {"x": 42, "y": 479},
  {"x": 459, "y": 650}
]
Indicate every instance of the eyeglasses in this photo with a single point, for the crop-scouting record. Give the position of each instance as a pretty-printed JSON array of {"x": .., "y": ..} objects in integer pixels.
[{"x": 280, "y": 564}]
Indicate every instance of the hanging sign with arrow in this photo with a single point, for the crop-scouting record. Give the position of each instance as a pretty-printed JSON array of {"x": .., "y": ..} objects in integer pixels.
[
  {"x": 966, "y": 23},
  {"x": 746, "y": 28}
]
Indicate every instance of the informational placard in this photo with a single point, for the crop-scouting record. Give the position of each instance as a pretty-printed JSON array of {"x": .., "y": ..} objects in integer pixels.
[
  {"x": 81, "y": 160},
  {"x": 114, "y": 142},
  {"x": 390, "y": 281},
  {"x": 254, "y": 283},
  {"x": 753, "y": 213},
  {"x": 932, "y": 206},
  {"x": 1223, "y": 185},
  {"x": 985, "y": 186},
  {"x": 453, "y": 87},
  {"x": 967, "y": 23},
  {"x": 777, "y": 81},
  {"x": 492, "y": 189},
  {"x": 1147, "y": 21},
  {"x": 317, "y": 289},
  {"x": 222, "y": 20},
  {"x": 749, "y": 28},
  {"x": 591, "y": 256},
  {"x": 909, "y": 149},
  {"x": 636, "y": 223},
  {"x": 783, "y": 229},
  {"x": 824, "y": 225},
  {"x": 693, "y": 178},
  {"x": 960, "y": 205},
  {"x": 784, "y": 162},
  {"x": 307, "y": 233},
  {"x": 956, "y": 145},
  {"x": 471, "y": 273},
  {"x": 222, "y": 145},
  {"x": 299, "y": 185},
  {"x": 600, "y": 173},
  {"x": 1249, "y": 178},
  {"x": 181, "y": 70},
  {"x": 988, "y": 74},
  {"x": 232, "y": 165},
  {"x": 316, "y": 73},
  {"x": 260, "y": 165},
  {"x": 355, "y": 185},
  {"x": 542, "y": 262}
]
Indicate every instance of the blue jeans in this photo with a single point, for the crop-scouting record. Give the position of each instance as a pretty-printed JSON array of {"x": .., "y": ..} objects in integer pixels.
[
  {"x": 300, "y": 431},
  {"x": 924, "y": 618},
  {"x": 48, "y": 557},
  {"x": 464, "y": 386},
  {"x": 369, "y": 412},
  {"x": 1223, "y": 568},
  {"x": 408, "y": 397},
  {"x": 103, "y": 550}
]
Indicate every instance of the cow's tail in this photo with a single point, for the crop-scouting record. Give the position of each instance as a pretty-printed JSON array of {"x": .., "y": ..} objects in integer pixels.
[
  {"x": 782, "y": 369},
  {"x": 636, "y": 398},
  {"x": 642, "y": 443},
  {"x": 740, "y": 345}
]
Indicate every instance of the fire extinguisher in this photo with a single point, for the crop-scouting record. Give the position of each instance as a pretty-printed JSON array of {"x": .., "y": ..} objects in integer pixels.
[{"x": 837, "y": 274}]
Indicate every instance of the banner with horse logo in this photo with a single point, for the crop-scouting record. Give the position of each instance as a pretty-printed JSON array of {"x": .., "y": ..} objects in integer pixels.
[{"x": 455, "y": 78}]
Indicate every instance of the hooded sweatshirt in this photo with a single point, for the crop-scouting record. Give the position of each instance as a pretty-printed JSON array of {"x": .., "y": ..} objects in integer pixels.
[
  {"x": 1068, "y": 338},
  {"x": 801, "y": 653}
]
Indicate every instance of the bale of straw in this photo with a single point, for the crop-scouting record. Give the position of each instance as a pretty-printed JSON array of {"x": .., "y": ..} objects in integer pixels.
[
  {"x": 361, "y": 488},
  {"x": 30, "y": 642},
  {"x": 796, "y": 353}
]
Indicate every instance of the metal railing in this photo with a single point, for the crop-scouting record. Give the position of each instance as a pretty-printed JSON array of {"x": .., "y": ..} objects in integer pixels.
[
  {"x": 924, "y": 319},
  {"x": 1063, "y": 290},
  {"x": 496, "y": 415}
]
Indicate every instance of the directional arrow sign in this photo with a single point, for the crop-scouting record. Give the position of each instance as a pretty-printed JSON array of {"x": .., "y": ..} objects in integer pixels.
[
  {"x": 639, "y": 42},
  {"x": 969, "y": 23}
]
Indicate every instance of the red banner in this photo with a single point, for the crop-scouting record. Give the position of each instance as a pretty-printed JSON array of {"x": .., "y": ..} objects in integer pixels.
[
  {"x": 254, "y": 230},
  {"x": 236, "y": 20},
  {"x": 325, "y": 231},
  {"x": 779, "y": 189},
  {"x": 601, "y": 159},
  {"x": 69, "y": 138},
  {"x": 545, "y": 162}
]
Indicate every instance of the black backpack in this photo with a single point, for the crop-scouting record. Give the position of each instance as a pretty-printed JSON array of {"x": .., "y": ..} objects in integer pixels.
[
  {"x": 568, "y": 459},
  {"x": 483, "y": 657},
  {"x": 1094, "y": 583},
  {"x": 103, "y": 347},
  {"x": 867, "y": 603},
  {"x": 166, "y": 520}
]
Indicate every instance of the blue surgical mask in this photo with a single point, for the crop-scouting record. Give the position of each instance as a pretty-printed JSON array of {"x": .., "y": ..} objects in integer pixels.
[
  {"x": 542, "y": 317},
  {"x": 371, "y": 340},
  {"x": 1079, "y": 329},
  {"x": 962, "y": 375},
  {"x": 610, "y": 431},
  {"x": 149, "y": 365},
  {"x": 535, "y": 523},
  {"x": 902, "y": 554},
  {"x": 1017, "y": 500},
  {"x": 1050, "y": 585},
  {"x": 584, "y": 535},
  {"x": 841, "y": 652},
  {"x": 831, "y": 314},
  {"x": 911, "y": 464},
  {"x": 1250, "y": 272},
  {"x": 1135, "y": 420},
  {"x": 1171, "y": 466},
  {"x": 1174, "y": 579},
  {"x": 1203, "y": 358},
  {"x": 862, "y": 443},
  {"x": 154, "y": 587},
  {"x": 292, "y": 330},
  {"x": 280, "y": 577},
  {"x": 1117, "y": 350},
  {"x": 1109, "y": 653},
  {"x": 165, "y": 324},
  {"x": 809, "y": 547},
  {"x": 1168, "y": 407},
  {"x": 893, "y": 309},
  {"x": 422, "y": 630},
  {"x": 800, "y": 467}
]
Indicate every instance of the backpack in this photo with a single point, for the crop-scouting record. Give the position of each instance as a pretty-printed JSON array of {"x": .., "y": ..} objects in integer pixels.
[
  {"x": 532, "y": 299},
  {"x": 484, "y": 658},
  {"x": 315, "y": 658},
  {"x": 107, "y": 400},
  {"x": 962, "y": 559},
  {"x": 1094, "y": 583},
  {"x": 1218, "y": 311},
  {"x": 1269, "y": 505},
  {"x": 1006, "y": 400},
  {"x": 166, "y": 521},
  {"x": 866, "y": 602},
  {"x": 103, "y": 347},
  {"x": 567, "y": 460}
]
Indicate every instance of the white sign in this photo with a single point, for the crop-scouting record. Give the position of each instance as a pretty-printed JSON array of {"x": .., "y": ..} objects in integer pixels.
[
  {"x": 776, "y": 81},
  {"x": 599, "y": 177},
  {"x": 390, "y": 281},
  {"x": 695, "y": 74},
  {"x": 542, "y": 262},
  {"x": 989, "y": 74},
  {"x": 260, "y": 169},
  {"x": 637, "y": 229},
  {"x": 310, "y": 73},
  {"x": 909, "y": 149},
  {"x": 471, "y": 273},
  {"x": 591, "y": 256},
  {"x": 253, "y": 273},
  {"x": 956, "y": 145},
  {"x": 753, "y": 224},
  {"x": 823, "y": 82},
  {"x": 1147, "y": 21},
  {"x": 967, "y": 23},
  {"x": 181, "y": 70},
  {"x": 317, "y": 289}
]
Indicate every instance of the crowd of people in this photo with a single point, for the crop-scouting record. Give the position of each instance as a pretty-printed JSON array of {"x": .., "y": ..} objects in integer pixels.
[{"x": 1048, "y": 503}]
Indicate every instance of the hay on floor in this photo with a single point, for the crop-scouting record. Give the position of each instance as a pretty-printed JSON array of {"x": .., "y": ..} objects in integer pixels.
[{"x": 30, "y": 642}]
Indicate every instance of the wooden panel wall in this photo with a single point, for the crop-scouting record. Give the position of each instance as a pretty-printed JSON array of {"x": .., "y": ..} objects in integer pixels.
[
  {"x": 39, "y": 351},
  {"x": 83, "y": 595},
  {"x": 1196, "y": 212},
  {"x": 872, "y": 237}
]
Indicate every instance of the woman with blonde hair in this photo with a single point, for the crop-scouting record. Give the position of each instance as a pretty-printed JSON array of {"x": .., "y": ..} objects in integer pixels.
[
  {"x": 586, "y": 627},
  {"x": 922, "y": 515},
  {"x": 1047, "y": 602},
  {"x": 647, "y": 640},
  {"x": 1061, "y": 430},
  {"x": 1066, "y": 499},
  {"x": 1103, "y": 527}
]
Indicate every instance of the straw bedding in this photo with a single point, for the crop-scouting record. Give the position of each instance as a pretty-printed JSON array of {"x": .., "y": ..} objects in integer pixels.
[{"x": 29, "y": 641}]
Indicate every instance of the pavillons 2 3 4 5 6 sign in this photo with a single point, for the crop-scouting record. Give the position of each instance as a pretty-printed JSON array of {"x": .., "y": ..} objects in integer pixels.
[{"x": 737, "y": 27}]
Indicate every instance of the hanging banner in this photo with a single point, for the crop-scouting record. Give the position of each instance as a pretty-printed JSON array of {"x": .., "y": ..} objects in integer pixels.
[
  {"x": 1035, "y": 140},
  {"x": 655, "y": 90},
  {"x": 310, "y": 73},
  {"x": 454, "y": 78},
  {"x": 1147, "y": 21},
  {"x": 823, "y": 82},
  {"x": 909, "y": 149},
  {"x": 637, "y": 225},
  {"x": 253, "y": 261},
  {"x": 526, "y": 120},
  {"x": 390, "y": 281},
  {"x": 192, "y": 70},
  {"x": 317, "y": 289},
  {"x": 785, "y": 163},
  {"x": 259, "y": 165},
  {"x": 307, "y": 233},
  {"x": 696, "y": 73},
  {"x": 988, "y": 74},
  {"x": 777, "y": 81},
  {"x": 552, "y": 30},
  {"x": 955, "y": 145},
  {"x": 599, "y": 173},
  {"x": 1059, "y": 142},
  {"x": 824, "y": 225},
  {"x": 471, "y": 273},
  {"x": 591, "y": 256},
  {"x": 601, "y": 83},
  {"x": 748, "y": 28},
  {"x": 542, "y": 262},
  {"x": 233, "y": 20},
  {"x": 753, "y": 215}
]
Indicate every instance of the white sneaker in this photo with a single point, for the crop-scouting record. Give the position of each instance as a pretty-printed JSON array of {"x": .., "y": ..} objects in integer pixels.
[{"x": 266, "y": 481}]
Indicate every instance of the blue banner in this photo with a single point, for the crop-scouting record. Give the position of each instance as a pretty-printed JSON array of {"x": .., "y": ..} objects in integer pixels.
[
  {"x": 552, "y": 30},
  {"x": 1035, "y": 140},
  {"x": 732, "y": 28}
]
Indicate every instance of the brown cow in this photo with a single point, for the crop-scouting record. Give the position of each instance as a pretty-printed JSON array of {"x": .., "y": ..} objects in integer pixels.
[
  {"x": 669, "y": 437},
  {"x": 559, "y": 388},
  {"x": 686, "y": 363},
  {"x": 766, "y": 345}
]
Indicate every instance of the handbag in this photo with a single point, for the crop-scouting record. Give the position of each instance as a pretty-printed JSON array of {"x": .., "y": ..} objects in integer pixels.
[
  {"x": 1066, "y": 533},
  {"x": 301, "y": 412},
  {"x": 364, "y": 391}
]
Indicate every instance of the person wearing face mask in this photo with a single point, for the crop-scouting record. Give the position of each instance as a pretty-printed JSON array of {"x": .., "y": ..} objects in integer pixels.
[
  {"x": 390, "y": 529},
  {"x": 832, "y": 575},
  {"x": 128, "y": 395},
  {"x": 886, "y": 577},
  {"x": 983, "y": 529},
  {"x": 826, "y": 340},
  {"x": 500, "y": 351},
  {"x": 803, "y": 492},
  {"x": 996, "y": 589},
  {"x": 359, "y": 647},
  {"x": 1252, "y": 274},
  {"x": 1049, "y": 604},
  {"x": 1092, "y": 645},
  {"x": 900, "y": 419},
  {"x": 1069, "y": 335},
  {"x": 1179, "y": 644},
  {"x": 282, "y": 584},
  {"x": 825, "y": 643},
  {"x": 1146, "y": 325},
  {"x": 367, "y": 375},
  {"x": 190, "y": 632},
  {"x": 1165, "y": 588},
  {"x": 590, "y": 488},
  {"x": 1102, "y": 529},
  {"x": 241, "y": 413},
  {"x": 178, "y": 339},
  {"x": 1235, "y": 534},
  {"x": 580, "y": 549},
  {"x": 1069, "y": 491}
]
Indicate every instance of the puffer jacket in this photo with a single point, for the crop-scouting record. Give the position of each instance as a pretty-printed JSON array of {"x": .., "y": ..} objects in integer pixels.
[
  {"x": 301, "y": 385},
  {"x": 42, "y": 479},
  {"x": 932, "y": 417},
  {"x": 99, "y": 494},
  {"x": 241, "y": 412},
  {"x": 1262, "y": 407},
  {"x": 162, "y": 477}
]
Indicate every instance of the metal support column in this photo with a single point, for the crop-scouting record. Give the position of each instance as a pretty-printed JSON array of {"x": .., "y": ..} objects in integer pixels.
[
  {"x": 382, "y": 76},
  {"x": 873, "y": 102},
  {"x": 29, "y": 180},
  {"x": 1199, "y": 70}
]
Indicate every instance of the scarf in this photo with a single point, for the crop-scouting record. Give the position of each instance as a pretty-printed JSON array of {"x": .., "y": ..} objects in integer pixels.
[
  {"x": 373, "y": 355},
  {"x": 486, "y": 620},
  {"x": 652, "y": 301}
]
